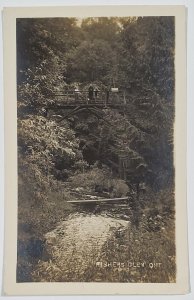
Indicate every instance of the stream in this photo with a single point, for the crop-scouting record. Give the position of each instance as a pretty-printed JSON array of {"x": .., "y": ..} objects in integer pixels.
[
  {"x": 82, "y": 246},
  {"x": 103, "y": 243}
]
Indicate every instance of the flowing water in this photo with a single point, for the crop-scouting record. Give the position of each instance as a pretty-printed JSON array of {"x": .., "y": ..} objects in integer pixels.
[
  {"x": 80, "y": 244},
  {"x": 104, "y": 244}
]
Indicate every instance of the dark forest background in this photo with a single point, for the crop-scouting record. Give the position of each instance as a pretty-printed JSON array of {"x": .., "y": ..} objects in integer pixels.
[{"x": 83, "y": 152}]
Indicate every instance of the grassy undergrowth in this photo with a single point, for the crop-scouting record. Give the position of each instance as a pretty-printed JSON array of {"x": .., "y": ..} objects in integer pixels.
[
  {"x": 136, "y": 253},
  {"x": 34, "y": 220}
]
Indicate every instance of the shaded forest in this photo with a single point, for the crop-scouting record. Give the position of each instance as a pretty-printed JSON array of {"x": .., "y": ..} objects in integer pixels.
[{"x": 123, "y": 153}]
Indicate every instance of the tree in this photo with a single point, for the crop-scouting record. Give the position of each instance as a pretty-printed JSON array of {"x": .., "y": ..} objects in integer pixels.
[
  {"x": 136, "y": 54},
  {"x": 103, "y": 28},
  {"x": 91, "y": 61},
  {"x": 149, "y": 48}
]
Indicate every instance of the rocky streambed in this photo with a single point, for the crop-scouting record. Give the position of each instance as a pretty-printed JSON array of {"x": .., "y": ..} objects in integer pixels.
[{"x": 78, "y": 245}]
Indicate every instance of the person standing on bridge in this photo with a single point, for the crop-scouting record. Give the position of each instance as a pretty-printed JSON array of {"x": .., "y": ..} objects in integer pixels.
[
  {"x": 107, "y": 95},
  {"x": 96, "y": 90},
  {"x": 91, "y": 92}
]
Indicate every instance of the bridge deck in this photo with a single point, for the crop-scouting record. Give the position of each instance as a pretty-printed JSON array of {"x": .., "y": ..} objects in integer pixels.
[
  {"x": 85, "y": 105},
  {"x": 96, "y": 200}
]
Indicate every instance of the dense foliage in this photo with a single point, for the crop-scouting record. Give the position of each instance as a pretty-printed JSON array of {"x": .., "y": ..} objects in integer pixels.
[
  {"x": 108, "y": 152},
  {"x": 134, "y": 54}
]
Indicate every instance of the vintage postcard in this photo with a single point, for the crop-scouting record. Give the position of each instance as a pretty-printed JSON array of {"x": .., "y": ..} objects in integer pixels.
[{"x": 95, "y": 129}]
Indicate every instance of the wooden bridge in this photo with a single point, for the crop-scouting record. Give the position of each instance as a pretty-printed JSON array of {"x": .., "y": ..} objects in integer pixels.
[
  {"x": 73, "y": 102},
  {"x": 99, "y": 99}
]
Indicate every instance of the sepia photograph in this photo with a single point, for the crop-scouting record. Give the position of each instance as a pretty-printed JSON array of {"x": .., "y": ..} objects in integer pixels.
[
  {"x": 95, "y": 113},
  {"x": 97, "y": 161}
]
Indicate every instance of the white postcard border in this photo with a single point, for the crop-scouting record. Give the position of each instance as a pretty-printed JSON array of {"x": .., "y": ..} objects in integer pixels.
[{"x": 10, "y": 285}]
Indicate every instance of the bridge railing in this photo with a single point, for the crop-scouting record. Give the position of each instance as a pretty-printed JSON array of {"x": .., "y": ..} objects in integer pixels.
[{"x": 83, "y": 97}]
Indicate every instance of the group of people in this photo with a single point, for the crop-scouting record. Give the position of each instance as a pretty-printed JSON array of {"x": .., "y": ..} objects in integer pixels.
[{"x": 92, "y": 93}]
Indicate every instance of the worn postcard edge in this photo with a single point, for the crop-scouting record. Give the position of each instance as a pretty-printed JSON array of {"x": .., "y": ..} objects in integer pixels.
[{"x": 10, "y": 286}]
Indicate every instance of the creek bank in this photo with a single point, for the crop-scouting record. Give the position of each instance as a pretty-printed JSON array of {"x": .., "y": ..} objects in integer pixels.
[{"x": 76, "y": 245}]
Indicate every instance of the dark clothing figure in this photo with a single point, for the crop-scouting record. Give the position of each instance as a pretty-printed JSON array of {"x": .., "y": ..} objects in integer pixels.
[
  {"x": 91, "y": 93},
  {"x": 107, "y": 95},
  {"x": 96, "y": 93}
]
